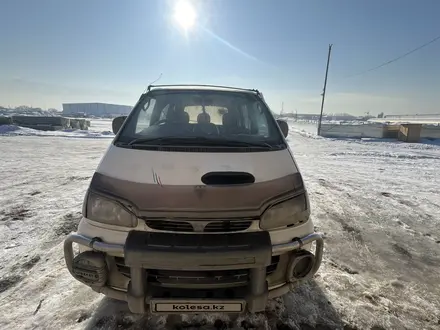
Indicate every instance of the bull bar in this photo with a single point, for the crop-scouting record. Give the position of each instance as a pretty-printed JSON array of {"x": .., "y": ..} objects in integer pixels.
[{"x": 137, "y": 295}]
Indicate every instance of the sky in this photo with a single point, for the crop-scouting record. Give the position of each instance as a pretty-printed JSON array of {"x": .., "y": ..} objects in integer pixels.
[{"x": 60, "y": 51}]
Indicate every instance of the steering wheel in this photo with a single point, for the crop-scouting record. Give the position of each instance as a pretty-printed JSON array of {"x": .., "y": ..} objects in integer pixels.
[
  {"x": 217, "y": 129},
  {"x": 207, "y": 132}
]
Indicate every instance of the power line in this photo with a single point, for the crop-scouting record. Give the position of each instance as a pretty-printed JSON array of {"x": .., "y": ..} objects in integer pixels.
[{"x": 395, "y": 59}]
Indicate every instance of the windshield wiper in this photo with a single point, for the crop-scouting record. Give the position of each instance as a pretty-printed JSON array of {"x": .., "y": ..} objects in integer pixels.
[
  {"x": 199, "y": 140},
  {"x": 236, "y": 143},
  {"x": 166, "y": 140}
]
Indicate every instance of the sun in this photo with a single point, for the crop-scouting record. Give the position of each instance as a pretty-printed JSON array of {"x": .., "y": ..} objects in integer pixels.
[{"x": 185, "y": 14}]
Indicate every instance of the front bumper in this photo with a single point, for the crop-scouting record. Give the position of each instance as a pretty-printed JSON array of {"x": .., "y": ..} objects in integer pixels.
[{"x": 153, "y": 250}]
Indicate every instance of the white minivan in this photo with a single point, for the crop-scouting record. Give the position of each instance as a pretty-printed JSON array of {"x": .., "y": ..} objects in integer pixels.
[{"x": 197, "y": 206}]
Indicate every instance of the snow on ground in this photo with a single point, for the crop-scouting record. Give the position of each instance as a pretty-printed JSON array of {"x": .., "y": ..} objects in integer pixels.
[
  {"x": 100, "y": 129},
  {"x": 376, "y": 202}
]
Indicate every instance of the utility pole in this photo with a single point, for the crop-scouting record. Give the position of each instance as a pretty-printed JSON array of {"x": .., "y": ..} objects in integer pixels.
[{"x": 325, "y": 86}]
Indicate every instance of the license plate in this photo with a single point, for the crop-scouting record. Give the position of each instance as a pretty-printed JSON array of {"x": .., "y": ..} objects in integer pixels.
[{"x": 199, "y": 306}]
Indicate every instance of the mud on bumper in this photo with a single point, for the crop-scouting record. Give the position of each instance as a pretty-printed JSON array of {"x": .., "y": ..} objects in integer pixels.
[{"x": 148, "y": 251}]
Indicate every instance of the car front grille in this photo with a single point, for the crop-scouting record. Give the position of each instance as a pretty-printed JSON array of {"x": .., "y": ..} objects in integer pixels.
[
  {"x": 165, "y": 225},
  {"x": 122, "y": 268},
  {"x": 227, "y": 226},
  {"x": 273, "y": 265},
  {"x": 218, "y": 226},
  {"x": 203, "y": 278},
  {"x": 199, "y": 279}
]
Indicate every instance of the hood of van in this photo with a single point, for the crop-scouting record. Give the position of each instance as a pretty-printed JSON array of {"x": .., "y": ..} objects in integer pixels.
[{"x": 159, "y": 183}]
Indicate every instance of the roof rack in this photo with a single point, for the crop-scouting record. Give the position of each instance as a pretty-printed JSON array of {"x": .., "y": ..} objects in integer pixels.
[{"x": 196, "y": 85}]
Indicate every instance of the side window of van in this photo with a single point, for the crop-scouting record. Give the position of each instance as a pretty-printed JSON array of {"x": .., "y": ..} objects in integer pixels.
[
  {"x": 164, "y": 112},
  {"x": 254, "y": 119},
  {"x": 143, "y": 120},
  {"x": 261, "y": 121},
  {"x": 245, "y": 114}
]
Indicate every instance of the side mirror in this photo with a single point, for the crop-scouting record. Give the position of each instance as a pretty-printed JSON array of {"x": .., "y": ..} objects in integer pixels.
[
  {"x": 117, "y": 123},
  {"x": 284, "y": 127}
]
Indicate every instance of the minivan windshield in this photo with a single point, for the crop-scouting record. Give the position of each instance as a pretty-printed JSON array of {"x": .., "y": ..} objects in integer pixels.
[{"x": 201, "y": 117}]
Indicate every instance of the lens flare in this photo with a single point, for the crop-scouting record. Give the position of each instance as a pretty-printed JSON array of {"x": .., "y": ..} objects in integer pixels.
[{"x": 185, "y": 14}]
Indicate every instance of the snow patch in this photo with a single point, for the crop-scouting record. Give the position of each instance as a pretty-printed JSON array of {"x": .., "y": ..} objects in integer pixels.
[
  {"x": 98, "y": 129},
  {"x": 5, "y": 129}
]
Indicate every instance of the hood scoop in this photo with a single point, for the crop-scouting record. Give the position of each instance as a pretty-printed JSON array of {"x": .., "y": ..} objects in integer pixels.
[{"x": 227, "y": 178}]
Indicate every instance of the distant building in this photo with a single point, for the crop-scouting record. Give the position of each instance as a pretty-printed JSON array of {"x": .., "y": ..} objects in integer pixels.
[
  {"x": 95, "y": 109},
  {"x": 309, "y": 116},
  {"x": 416, "y": 117},
  {"x": 426, "y": 119}
]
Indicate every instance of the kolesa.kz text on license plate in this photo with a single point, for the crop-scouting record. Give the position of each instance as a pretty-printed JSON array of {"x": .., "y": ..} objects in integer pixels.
[{"x": 197, "y": 307}]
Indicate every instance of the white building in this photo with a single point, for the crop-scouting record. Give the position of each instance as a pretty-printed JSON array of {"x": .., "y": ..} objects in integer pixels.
[
  {"x": 95, "y": 109},
  {"x": 433, "y": 119}
]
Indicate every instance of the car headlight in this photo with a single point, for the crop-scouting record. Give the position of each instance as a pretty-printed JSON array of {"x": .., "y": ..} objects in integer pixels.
[
  {"x": 284, "y": 213},
  {"x": 111, "y": 212}
]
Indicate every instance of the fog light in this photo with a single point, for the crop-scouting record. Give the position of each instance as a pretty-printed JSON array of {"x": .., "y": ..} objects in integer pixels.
[
  {"x": 90, "y": 268},
  {"x": 300, "y": 266}
]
